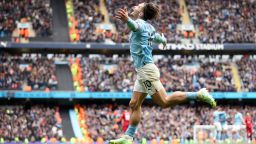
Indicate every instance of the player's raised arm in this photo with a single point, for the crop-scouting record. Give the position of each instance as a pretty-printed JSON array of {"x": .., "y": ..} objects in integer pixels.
[{"x": 122, "y": 15}]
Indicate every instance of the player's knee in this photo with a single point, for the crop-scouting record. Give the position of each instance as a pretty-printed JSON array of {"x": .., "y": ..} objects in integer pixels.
[
  {"x": 164, "y": 104},
  {"x": 179, "y": 95},
  {"x": 133, "y": 104}
]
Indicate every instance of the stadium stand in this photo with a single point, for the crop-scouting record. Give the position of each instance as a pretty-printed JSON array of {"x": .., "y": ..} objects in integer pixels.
[
  {"x": 97, "y": 75},
  {"x": 87, "y": 16},
  {"x": 39, "y": 13},
  {"x": 225, "y": 21},
  {"x": 247, "y": 72},
  {"x": 184, "y": 74},
  {"x": 81, "y": 115},
  {"x": 232, "y": 24},
  {"x": 167, "y": 23},
  {"x": 166, "y": 124},
  {"x": 106, "y": 78},
  {"x": 36, "y": 123},
  {"x": 27, "y": 73},
  {"x": 115, "y": 74},
  {"x": 76, "y": 71}
]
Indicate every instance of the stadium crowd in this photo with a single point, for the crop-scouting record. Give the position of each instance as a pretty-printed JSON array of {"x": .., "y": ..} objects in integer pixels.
[
  {"x": 247, "y": 72},
  {"x": 217, "y": 21},
  {"x": 112, "y": 74},
  {"x": 38, "y": 12},
  {"x": 186, "y": 74},
  {"x": 87, "y": 15},
  {"x": 226, "y": 21},
  {"x": 29, "y": 124},
  {"x": 167, "y": 23},
  {"x": 19, "y": 73},
  {"x": 157, "y": 123},
  {"x": 100, "y": 78}
]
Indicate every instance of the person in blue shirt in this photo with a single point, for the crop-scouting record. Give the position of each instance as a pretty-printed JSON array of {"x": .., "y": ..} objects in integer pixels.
[
  {"x": 220, "y": 122},
  {"x": 142, "y": 35},
  {"x": 216, "y": 122},
  {"x": 224, "y": 125},
  {"x": 238, "y": 119},
  {"x": 238, "y": 122}
]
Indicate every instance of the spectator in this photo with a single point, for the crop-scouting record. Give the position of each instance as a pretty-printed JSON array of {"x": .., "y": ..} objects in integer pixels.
[
  {"x": 38, "y": 12},
  {"x": 167, "y": 23},
  {"x": 32, "y": 123},
  {"x": 87, "y": 14},
  {"x": 157, "y": 123},
  {"x": 17, "y": 72},
  {"x": 225, "y": 21},
  {"x": 117, "y": 74},
  {"x": 247, "y": 72}
]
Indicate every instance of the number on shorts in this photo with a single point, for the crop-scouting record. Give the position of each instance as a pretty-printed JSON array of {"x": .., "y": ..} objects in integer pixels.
[
  {"x": 150, "y": 39},
  {"x": 148, "y": 85}
]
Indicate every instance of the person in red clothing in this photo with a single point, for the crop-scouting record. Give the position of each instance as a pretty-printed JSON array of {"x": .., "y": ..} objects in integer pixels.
[
  {"x": 125, "y": 120},
  {"x": 249, "y": 126}
]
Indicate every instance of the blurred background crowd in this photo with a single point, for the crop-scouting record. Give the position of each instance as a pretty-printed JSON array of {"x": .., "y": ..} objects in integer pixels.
[
  {"x": 117, "y": 74},
  {"x": 39, "y": 123},
  {"x": 38, "y": 12},
  {"x": 157, "y": 123},
  {"x": 27, "y": 73},
  {"x": 177, "y": 74},
  {"x": 29, "y": 123},
  {"x": 225, "y": 21}
]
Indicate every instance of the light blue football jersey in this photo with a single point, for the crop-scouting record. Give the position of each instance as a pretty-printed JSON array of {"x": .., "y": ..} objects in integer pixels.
[
  {"x": 216, "y": 117},
  {"x": 223, "y": 118},
  {"x": 219, "y": 116},
  {"x": 238, "y": 118},
  {"x": 141, "y": 43}
]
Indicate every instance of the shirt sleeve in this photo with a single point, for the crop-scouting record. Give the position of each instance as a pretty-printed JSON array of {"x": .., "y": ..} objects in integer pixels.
[{"x": 133, "y": 25}]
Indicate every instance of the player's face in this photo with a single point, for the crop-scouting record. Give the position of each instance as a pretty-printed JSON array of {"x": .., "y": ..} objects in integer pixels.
[{"x": 136, "y": 10}]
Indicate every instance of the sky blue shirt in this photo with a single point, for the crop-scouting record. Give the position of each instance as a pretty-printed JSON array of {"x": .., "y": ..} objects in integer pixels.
[
  {"x": 238, "y": 118},
  {"x": 219, "y": 116},
  {"x": 142, "y": 36},
  {"x": 223, "y": 118},
  {"x": 216, "y": 116}
]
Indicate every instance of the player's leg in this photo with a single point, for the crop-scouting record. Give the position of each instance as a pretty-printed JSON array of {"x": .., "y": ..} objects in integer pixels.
[
  {"x": 162, "y": 99},
  {"x": 249, "y": 134},
  {"x": 236, "y": 134},
  {"x": 218, "y": 130},
  {"x": 135, "y": 104},
  {"x": 224, "y": 131},
  {"x": 149, "y": 77},
  {"x": 125, "y": 127}
]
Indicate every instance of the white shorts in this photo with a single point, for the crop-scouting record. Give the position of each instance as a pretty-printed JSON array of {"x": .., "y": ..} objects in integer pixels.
[
  {"x": 148, "y": 79},
  {"x": 220, "y": 127},
  {"x": 237, "y": 127},
  {"x": 217, "y": 126}
]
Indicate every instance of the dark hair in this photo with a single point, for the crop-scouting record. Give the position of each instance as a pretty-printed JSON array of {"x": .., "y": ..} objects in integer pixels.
[{"x": 150, "y": 11}]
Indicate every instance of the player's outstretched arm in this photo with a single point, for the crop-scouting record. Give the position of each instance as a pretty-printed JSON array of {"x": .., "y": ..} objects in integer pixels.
[
  {"x": 160, "y": 39},
  {"x": 122, "y": 15}
]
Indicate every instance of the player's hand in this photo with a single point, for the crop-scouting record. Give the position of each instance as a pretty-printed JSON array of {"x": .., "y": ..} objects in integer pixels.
[
  {"x": 122, "y": 14},
  {"x": 165, "y": 41}
]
